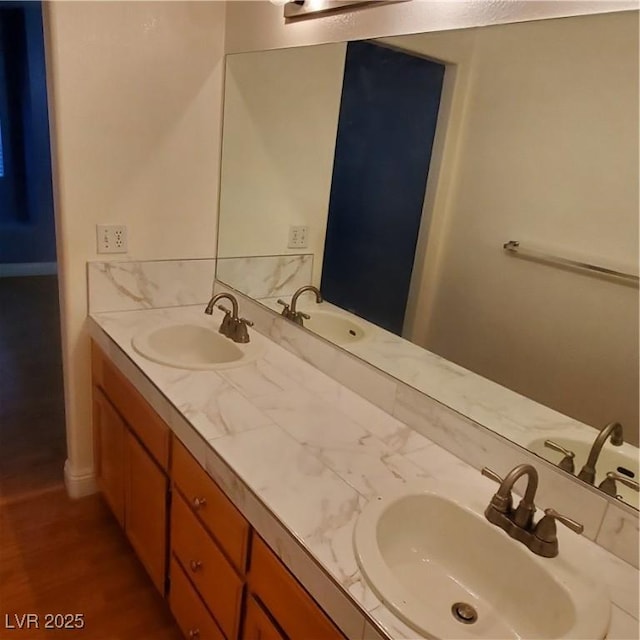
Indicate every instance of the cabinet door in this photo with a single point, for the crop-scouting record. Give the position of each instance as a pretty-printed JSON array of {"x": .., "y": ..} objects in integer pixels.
[
  {"x": 108, "y": 438},
  {"x": 257, "y": 624},
  {"x": 146, "y": 509}
]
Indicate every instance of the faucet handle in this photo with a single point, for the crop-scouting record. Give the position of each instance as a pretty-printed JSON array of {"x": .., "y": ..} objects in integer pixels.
[
  {"x": 566, "y": 464},
  {"x": 286, "y": 309},
  {"x": 492, "y": 475},
  {"x": 608, "y": 485},
  {"x": 239, "y": 332},
  {"x": 545, "y": 533},
  {"x": 306, "y": 316},
  {"x": 551, "y": 516},
  {"x": 226, "y": 326}
]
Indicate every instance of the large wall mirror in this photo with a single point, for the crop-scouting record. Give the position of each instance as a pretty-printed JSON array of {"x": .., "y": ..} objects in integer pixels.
[{"x": 400, "y": 168}]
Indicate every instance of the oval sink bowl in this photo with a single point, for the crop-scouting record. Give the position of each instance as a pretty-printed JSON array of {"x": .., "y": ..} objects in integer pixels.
[
  {"x": 623, "y": 459},
  {"x": 193, "y": 346},
  {"x": 448, "y": 573},
  {"x": 334, "y": 327}
]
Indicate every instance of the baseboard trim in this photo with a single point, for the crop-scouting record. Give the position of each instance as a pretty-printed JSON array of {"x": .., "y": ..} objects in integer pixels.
[
  {"x": 16, "y": 269},
  {"x": 79, "y": 485}
]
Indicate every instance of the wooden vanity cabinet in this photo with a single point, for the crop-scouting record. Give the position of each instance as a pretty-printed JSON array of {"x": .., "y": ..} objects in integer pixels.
[
  {"x": 131, "y": 447},
  {"x": 224, "y": 583}
]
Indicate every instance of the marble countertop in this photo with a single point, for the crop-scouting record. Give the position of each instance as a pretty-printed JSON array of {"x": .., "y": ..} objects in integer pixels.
[{"x": 301, "y": 455}]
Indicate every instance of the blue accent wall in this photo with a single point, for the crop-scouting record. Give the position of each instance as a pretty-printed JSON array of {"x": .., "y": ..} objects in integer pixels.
[
  {"x": 387, "y": 124},
  {"x": 27, "y": 229}
]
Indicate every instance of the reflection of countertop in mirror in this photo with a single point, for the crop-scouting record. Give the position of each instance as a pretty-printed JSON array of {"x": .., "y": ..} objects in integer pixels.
[
  {"x": 300, "y": 455},
  {"x": 506, "y": 412}
]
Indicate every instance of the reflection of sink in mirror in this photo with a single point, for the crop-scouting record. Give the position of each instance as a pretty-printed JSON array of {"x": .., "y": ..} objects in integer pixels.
[
  {"x": 623, "y": 460},
  {"x": 193, "y": 346},
  {"x": 330, "y": 322},
  {"x": 334, "y": 327},
  {"x": 448, "y": 573}
]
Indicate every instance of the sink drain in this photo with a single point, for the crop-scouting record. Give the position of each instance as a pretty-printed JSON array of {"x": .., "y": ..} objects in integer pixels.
[{"x": 464, "y": 613}]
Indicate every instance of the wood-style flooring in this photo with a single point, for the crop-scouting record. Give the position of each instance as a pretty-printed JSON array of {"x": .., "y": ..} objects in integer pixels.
[
  {"x": 57, "y": 556},
  {"x": 32, "y": 431}
]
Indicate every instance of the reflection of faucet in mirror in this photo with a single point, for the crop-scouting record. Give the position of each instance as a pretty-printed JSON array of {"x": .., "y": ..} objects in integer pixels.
[
  {"x": 608, "y": 485},
  {"x": 566, "y": 464},
  {"x": 232, "y": 326},
  {"x": 613, "y": 430},
  {"x": 541, "y": 537},
  {"x": 291, "y": 313}
]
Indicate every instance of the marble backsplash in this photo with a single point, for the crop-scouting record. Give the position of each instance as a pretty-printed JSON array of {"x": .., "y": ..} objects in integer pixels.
[
  {"x": 151, "y": 284},
  {"x": 154, "y": 284},
  {"x": 266, "y": 276}
]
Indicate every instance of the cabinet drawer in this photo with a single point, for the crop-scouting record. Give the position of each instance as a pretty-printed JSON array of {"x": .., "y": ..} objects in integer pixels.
[
  {"x": 294, "y": 609},
  {"x": 212, "y": 574},
  {"x": 257, "y": 624},
  {"x": 191, "y": 615},
  {"x": 137, "y": 412},
  {"x": 214, "y": 509}
]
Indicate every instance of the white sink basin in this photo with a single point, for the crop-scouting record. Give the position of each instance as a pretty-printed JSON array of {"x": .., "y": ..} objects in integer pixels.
[
  {"x": 194, "y": 346},
  {"x": 423, "y": 553},
  {"x": 610, "y": 459},
  {"x": 334, "y": 327}
]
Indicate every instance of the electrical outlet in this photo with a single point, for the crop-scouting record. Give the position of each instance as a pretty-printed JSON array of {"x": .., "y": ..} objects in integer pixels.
[
  {"x": 298, "y": 237},
  {"x": 112, "y": 238}
]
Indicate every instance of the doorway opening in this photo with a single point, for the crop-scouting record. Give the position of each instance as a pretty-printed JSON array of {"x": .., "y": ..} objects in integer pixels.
[{"x": 32, "y": 419}]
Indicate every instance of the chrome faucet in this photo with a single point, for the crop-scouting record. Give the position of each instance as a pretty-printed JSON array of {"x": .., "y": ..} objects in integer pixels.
[
  {"x": 231, "y": 326},
  {"x": 613, "y": 430},
  {"x": 541, "y": 537},
  {"x": 291, "y": 313}
]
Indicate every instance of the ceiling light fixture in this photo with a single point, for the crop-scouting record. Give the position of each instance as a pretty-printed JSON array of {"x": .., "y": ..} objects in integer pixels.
[{"x": 311, "y": 8}]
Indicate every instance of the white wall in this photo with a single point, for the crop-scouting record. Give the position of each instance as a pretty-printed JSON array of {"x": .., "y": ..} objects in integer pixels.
[
  {"x": 272, "y": 179},
  {"x": 135, "y": 102},
  {"x": 258, "y": 25},
  {"x": 557, "y": 169}
]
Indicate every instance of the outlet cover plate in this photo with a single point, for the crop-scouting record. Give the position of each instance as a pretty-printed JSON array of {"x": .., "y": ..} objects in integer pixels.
[
  {"x": 111, "y": 238},
  {"x": 298, "y": 237}
]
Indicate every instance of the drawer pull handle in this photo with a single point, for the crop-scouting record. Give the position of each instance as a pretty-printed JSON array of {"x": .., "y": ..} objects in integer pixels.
[
  {"x": 194, "y": 633},
  {"x": 199, "y": 502},
  {"x": 196, "y": 565}
]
